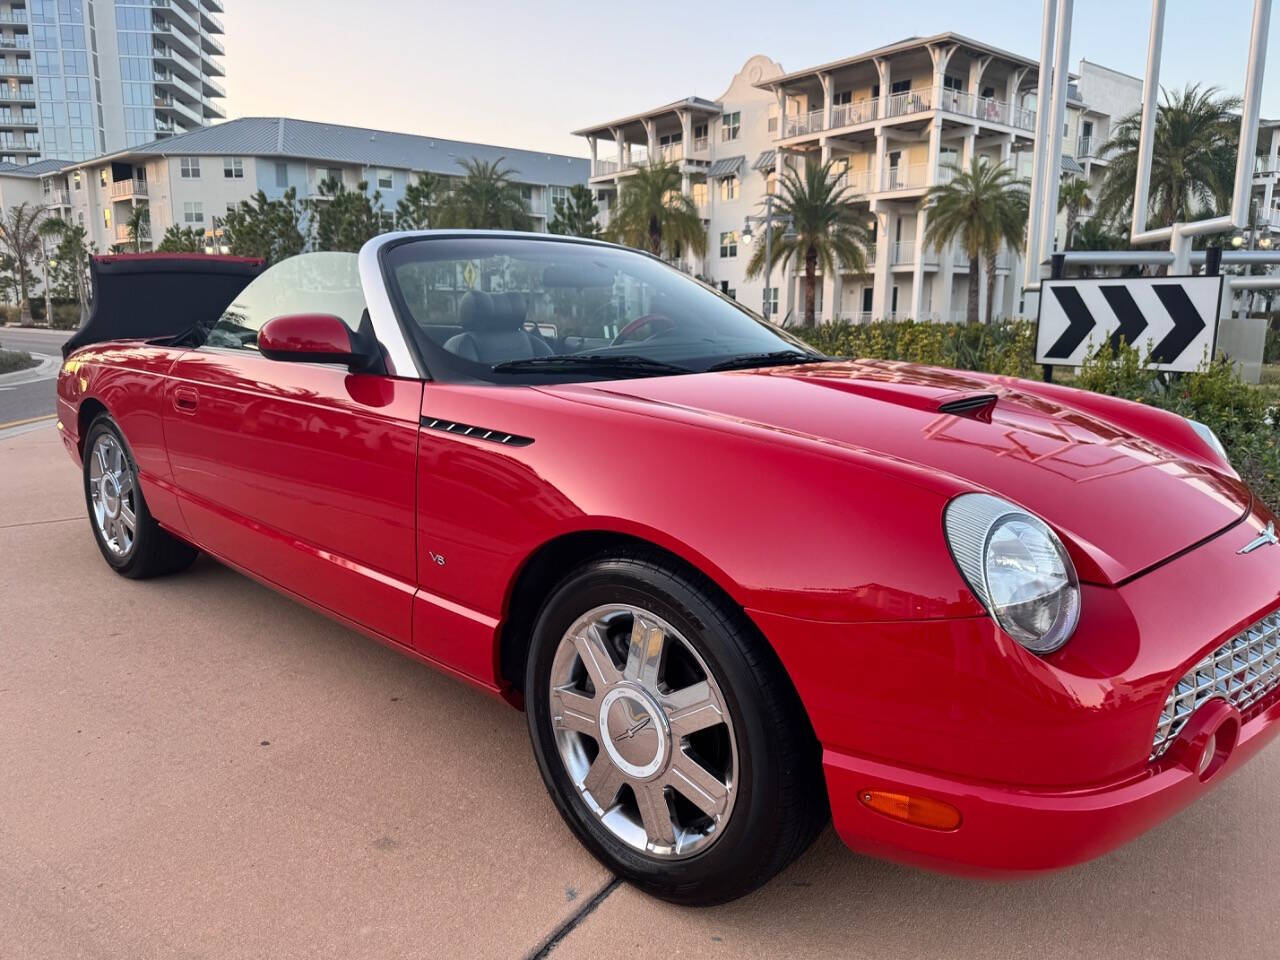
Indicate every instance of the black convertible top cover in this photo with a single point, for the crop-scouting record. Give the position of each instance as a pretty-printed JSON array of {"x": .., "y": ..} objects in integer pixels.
[{"x": 147, "y": 296}]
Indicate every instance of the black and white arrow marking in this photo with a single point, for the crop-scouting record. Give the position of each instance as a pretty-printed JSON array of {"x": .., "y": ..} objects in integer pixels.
[{"x": 1173, "y": 319}]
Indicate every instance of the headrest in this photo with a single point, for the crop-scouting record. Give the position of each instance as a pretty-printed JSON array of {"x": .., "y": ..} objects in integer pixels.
[{"x": 491, "y": 311}]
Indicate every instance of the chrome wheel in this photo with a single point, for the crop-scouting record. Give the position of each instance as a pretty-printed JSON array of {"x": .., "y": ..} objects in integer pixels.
[
  {"x": 643, "y": 731},
  {"x": 113, "y": 494}
]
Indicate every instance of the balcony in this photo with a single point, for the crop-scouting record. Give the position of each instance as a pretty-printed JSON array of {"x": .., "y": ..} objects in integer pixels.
[
  {"x": 701, "y": 144},
  {"x": 1267, "y": 165},
  {"x": 1087, "y": 146},
  {"x": 11, "y": 118},
  {"x": 908, "y": 103},
  {"x": 913, "y": 176},
  {"x": 20, "y": 41},
  {"x": 122, "y": 234},
  {"x": 22, "y": 144},
  {"x": 16, "y": 68},
  {"x": 903, "y": 254},
  {"x": 604, "y": 168},
  {"x": 22, "y": 94},
  {"x": 167, "y": 78},
  {"x": 57, "y": 198},
  {"x": 16, "y": 17},
  {"x": 212, "y": 88},
  {"x": 670, "y": 153},
  {"x": 856, "y": 182},
  {"x": 851, "y": 114},
  {"x": 988, "y": 109},
  {"x": 805, "y": 123},
  {"x": 127, "y": 189},
  {"x": 174, "y": 15}
]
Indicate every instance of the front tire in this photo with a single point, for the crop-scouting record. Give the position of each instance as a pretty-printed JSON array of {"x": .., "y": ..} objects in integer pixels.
[
  {"x": 667, "y": 733},
  {"x": 131, "y": 541}
]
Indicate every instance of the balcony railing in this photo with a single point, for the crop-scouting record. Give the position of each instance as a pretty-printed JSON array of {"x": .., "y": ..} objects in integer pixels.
[
  {"x": 671, "y": 153},
  {"x": 15, "y": 16},
  {"x": 122, "y": 234},
  {"x": 857, "y": 182},
  {"x": 57, "y": 198},
  {"x": 128, "y": 188},
  {"x": 903, "y": 253},
  {"x": 22, "y": 93},
  {"x": 912, "y": 176},
  {"x": 701, "y": 144},
  {"x": 19, "y": 42},
  {"x": 603, "y": 167},
  {"x": 1267, "y": 164},
  {"x": 907, "y": 103}
]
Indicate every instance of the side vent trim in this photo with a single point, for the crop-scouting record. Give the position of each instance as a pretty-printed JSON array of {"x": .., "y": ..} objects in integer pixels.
[
  {"x": 479, "y": 433},
  {"x": 973, "y": 405}
]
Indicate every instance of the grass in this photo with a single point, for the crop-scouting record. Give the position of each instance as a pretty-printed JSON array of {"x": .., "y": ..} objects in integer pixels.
[{"x": 12, "y": 361}]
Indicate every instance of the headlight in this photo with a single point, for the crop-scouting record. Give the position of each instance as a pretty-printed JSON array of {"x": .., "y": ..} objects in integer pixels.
[
  {"x": 1209, "y": 437},
  {"x": 1017, "y": 567}
]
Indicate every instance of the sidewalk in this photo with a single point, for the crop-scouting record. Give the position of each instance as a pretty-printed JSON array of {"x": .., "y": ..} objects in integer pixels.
[{"x": 198, "y": 767}]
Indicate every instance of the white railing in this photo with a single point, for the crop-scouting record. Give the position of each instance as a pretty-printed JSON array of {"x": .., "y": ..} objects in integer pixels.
[
  {"x": 850, "y": 114},
  {"x": 144, "y": 233},
  {"x": 1267, "y": 164},
  {"x": 601, "y": 167},
  {"x": 812, "y": 122},
  {"x": 912, "y": 176},
  {"x": 639, "y": 158},
  {"x": 1087, "y": 146},
  {"x": 902, "y": 252},
  {"x": 862, "y": 316},
  {"x": 908, "y": 102},
  {"x": 986, "y": 108},
  {"x": 671, "y": 152},
  {"x": 857, "y": 182},
  {"x": 700, "y": 144},
  {"x": 57, "y": 198},
  {"x": 128, "y": 188}
]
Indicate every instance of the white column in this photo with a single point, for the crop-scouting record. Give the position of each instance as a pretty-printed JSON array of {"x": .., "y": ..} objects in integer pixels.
[
  {"x": 966, "y": 151},
  {"x": 998, "y": 307},
  {"x": 977, "y": 67},
  {"x": 917, "y": 268},
  {"x": 651, "y": 139},
  {"x": 622, "y": 148},
  {"x": 594, "y": 142},
  {"x": 824, "y": 145},
  {"x": 877, "y": 163},
  {"x": 781, "y": 277},
  {"x": 825, "y": 80},
  {"x": 1011, "y": 87},
  {"x": 886, "y": 220},
  {"x": 941, "y": 56}
]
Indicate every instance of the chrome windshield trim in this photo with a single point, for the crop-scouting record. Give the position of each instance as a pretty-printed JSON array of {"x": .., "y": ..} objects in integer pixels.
[{"x": 386, "y": 326}]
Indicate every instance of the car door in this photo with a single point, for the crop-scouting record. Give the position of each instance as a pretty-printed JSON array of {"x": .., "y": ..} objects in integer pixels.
[{"x": 303, "y": 474}]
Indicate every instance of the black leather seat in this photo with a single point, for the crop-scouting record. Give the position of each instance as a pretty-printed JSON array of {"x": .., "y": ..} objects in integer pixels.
[{"x": 493, "y": 329}]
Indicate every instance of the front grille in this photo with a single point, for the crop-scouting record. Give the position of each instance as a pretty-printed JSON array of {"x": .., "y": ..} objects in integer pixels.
[{"x": 1242, "y": 671}]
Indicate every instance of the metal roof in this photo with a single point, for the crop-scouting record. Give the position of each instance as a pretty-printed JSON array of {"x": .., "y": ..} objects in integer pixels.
[
  {"x": 727, "y": 167},
  {"x": 1071, "y": 165},
  {"x": 700, "y": 104},
  {"x": 39, "y": 168},
  {"x": 766, "y": 161},
  {"x": 286, "y": 137}
]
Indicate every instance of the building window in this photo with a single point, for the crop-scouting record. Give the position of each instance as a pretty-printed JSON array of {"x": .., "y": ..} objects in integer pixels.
[
  {"x": 282, "y": 175},
  {"x": 731, "y": 125},
  {"x": 731, "y": 293},
  {"x": 231, "y": 206},
  {"x": 729, "y": 188},
  {"x": 193, "y": 212},
  {"x": 952, "y": 83},
  {"x": 842, "y": 97},
  {"x": 385, "y": 181},
  {"x": 189, "y": 168},
  {"x": 102, "y": 176},
  {"x": 233, "y": 168},
  {"x": 698, "y": 193},
  {"x": 75, "y": 179},
  {"x": 80, "y": 218},
  {"x": 729, "y": 245},
  {"x": 900, "y": 86},
  {"x": 771, "y": 301},
  {"x": 106, "y": 217}
]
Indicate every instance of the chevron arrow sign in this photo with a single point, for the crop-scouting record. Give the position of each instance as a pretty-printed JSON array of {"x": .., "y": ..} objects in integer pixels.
[{"x": 1173, "y": 320}]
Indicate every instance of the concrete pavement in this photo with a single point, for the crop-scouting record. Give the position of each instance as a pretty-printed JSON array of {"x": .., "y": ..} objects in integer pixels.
[
  {"x": 196, "y": 766},
  {"x": 30, "y": 393}
]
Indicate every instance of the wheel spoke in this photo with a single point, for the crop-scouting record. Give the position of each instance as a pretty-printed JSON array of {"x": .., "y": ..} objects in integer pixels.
[
  {"x": 126, "y": 483},
  {"x": 126, "y": 518},
  {"x": 644, "y": 652},
  {"x": 697, "y": 784},
  {"x": 100, "y": 456},
  {"x": 692, "y": 708},
  {"x": 603, "y": 781},
  {"x": 571, "y": 710},
  {"x": 594, "y": 652},
  {"x": 118, "y": 460},
  {"x": 655, "y": 814}
]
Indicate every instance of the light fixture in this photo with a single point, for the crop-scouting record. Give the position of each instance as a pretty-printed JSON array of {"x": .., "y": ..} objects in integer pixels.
[
  {"x": 790, "y": 233},
  {"x": 746, "y": 236},
  {"x": 1237, "y": 240},
  {"x": 1265, "y": 241}
]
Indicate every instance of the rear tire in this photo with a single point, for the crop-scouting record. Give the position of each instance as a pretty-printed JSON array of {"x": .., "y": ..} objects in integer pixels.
[
  {"x": 667, "y": 732},
  {"x": 131, "y": 541}
]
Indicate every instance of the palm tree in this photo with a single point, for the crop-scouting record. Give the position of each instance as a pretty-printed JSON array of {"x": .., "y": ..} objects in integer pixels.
[
  {"x": 487, "y": 198},
  {"x": 1011, "y": 232},
  {"x": 827, "y": 228},
  {"x": 1073, "y": 197},
  {"x": 653, "y": 213},
  {"x": 1192, "y": 160},
  {"x": 980, "y": 208},
  {"x": 20, "y": 240},
  {"x": 138, "y": 226}
]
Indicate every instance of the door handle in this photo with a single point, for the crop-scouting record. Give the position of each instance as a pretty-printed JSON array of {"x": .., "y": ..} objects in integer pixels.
[{"x": 185, "y": 399}]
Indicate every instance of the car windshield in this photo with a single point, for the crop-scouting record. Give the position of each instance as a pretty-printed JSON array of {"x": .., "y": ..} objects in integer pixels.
[{"x": 521, "y": 310}]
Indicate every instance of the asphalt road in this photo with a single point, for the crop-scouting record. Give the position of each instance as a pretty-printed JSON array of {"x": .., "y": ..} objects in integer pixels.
[
  {"x": 22, "y": 396},
  {"x": 195, "y": 766}
]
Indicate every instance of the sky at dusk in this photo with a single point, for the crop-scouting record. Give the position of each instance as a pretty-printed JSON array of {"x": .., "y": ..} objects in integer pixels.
[{"x": 526, "y": 74}]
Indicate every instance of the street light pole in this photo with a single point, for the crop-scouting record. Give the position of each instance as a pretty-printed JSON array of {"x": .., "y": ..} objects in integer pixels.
[{"x": 767, "y": 223}]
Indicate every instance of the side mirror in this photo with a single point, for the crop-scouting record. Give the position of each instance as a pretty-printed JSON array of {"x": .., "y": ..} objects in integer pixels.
[{"x": 312, "y": 338}]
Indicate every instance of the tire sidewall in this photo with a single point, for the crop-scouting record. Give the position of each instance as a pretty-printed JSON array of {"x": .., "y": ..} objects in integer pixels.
[{"x": 685, "y": 608}]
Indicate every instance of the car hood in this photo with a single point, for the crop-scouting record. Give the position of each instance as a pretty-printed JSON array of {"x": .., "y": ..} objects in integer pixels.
[{"x": 1125, "y": 500}]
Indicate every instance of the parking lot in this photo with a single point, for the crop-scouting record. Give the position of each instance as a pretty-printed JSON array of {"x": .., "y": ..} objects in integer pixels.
[{"x": 199, "y": 767}]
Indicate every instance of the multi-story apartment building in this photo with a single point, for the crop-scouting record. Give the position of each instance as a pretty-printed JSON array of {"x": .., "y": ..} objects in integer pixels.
[
  {"x": 82, "y": 77},
  {"x": 193, "y": 179},
  {"x": 893, "y": 122}
]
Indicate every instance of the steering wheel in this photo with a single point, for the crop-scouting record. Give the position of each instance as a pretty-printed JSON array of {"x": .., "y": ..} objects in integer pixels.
[{"x": 657, "y": 321}]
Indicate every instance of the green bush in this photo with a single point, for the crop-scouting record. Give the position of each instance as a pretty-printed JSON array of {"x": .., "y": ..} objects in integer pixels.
[
  {"x": 1239, "y": 413},
  {"x": 14, "y": 360}
]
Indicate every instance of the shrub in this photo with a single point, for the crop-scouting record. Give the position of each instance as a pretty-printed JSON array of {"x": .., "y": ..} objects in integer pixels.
[
  {"x": 1006, "y": 348},
  {"x": 14, "y": 360}
]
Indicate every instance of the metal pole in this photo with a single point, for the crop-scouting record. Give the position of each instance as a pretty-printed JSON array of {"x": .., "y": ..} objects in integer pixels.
[
  {"x": 768, "y": 249},
  {"x": 1031, "y": 266},
  {"x": 1053, "y": 160},
  {"x": 1150, "y": 101}
]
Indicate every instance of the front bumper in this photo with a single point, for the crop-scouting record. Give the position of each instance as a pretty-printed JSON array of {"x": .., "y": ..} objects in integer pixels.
[{"x": 1047, "y": 760}]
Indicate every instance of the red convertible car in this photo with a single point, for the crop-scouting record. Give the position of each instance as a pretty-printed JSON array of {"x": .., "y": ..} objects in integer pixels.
[{"x": 737, "y": 586}]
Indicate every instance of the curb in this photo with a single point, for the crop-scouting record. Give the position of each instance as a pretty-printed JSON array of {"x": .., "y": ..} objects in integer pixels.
[{"x": 46, "y": 370}]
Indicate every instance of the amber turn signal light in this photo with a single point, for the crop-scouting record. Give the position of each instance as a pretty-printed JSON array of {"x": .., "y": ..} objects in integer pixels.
[{"x": 921, "y": 811}]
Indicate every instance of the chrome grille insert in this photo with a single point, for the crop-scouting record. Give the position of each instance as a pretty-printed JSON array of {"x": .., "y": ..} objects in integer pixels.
[{"x": 1242, "y": 671}]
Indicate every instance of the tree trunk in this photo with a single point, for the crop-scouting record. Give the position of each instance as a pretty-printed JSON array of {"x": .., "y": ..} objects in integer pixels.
[
  {"x": 991, "y": 286},
  {"x": 971, "y": 308},
  {"x": 24, "y": 301},
  {"x": 655, "y": 237},
  {"x": 1073, "y": 215},
  {"x": 810, "y": 286}
]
